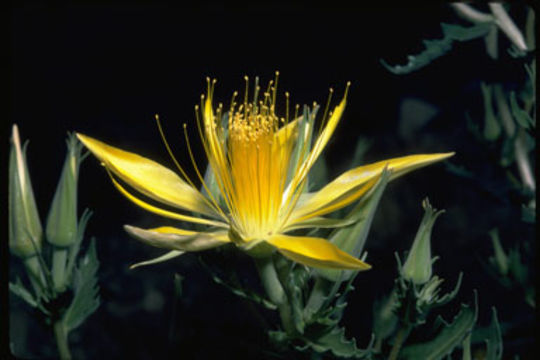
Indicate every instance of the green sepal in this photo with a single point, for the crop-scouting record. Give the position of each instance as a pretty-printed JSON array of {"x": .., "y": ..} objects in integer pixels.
[
  {"x": 449, "y": 337},
  {"x": 352, "y": 239},
  {"x": 437, "y": 48},
  {"x": 86, "y": 292}
]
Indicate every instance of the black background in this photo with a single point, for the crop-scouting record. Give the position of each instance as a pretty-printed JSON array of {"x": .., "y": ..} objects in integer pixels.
[{"x": 106, "y": 69}]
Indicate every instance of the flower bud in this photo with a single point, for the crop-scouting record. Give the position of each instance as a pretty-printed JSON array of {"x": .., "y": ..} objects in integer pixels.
[
  {"x": 417, "y": 267},
  {"x": 61, "y": 228},
  {"x": 25, "y": 232}
]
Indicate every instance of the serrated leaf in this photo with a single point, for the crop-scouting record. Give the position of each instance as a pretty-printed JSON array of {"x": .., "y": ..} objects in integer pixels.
[
  {"x": 437, "y": 48},
  {"x": 86, "y": 298},
  {"x": 451, "y": 336},
  {"x": 236, "y": 290},
  {"x": 336, "y": 343},
  {"x": 494, "y": 341}
]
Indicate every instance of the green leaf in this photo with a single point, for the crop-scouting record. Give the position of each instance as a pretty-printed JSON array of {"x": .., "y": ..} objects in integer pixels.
[
  {"x": 238, "y": 291},
  {"x": 522, "y": 117},
  {"x": 451, "y": 336},
  {"x": 86, "y": 297},
  {"x": 18, "y": 289},
  {"x": 384, "y": 316},
  {"x": 336, "y": 343},
  {"x": 528, "y": 214},
  {"x": 494, "y": 341},
  {"x": 492, "y": 128},
  {"x": 437, "y": 48}
]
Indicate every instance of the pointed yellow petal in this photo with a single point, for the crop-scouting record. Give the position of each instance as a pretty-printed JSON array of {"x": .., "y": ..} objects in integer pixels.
[
  {"x": 356, "y": 182},
  {"x": 318, "y": 147},
  {"x": 177, "y": 239},
  {"x": 163, "y": 212},
  {"x": 149, "y": 177},
  {"x": 167, "y": 256},
  {"x": 315, "y": 252}
]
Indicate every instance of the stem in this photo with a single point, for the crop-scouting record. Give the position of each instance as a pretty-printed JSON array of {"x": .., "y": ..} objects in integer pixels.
[
  {"x": 60, "y": 334},
  {"x": 401, "y": 336},
  {"x": 274, "y": 290},
  {"x": 270, "y": 280},
  {"x": 59, "y": 268}
]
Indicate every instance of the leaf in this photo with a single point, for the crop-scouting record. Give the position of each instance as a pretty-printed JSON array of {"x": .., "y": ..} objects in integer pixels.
[
  {"x": 451, "y": 336},
  {"x": 494, "y": 341},
  {"x": 522, "y": 117},
  {"x": 528, "y": 214},
  {"x": 437, "y": 48},
  {"x": 18, "y": 289},
  {"x": 336, "y": 343},
  {"x": 492, "y": 129},
  {"x": 238, "y": 291},
  {"x": 84, "y": 282}
]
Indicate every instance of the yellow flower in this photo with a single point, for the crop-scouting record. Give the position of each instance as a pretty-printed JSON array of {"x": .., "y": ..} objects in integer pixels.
[{"x": 261, "y": 182}]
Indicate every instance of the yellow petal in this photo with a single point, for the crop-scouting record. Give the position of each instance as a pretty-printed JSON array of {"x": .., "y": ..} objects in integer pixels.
[
  {"x": 315, "y": 252},
  {"x": 171, "y": 238},
  {"x": 162, "y": 212},
  {"x": 149, "y": 177},
  {"x": 354, "y": 183},
  {"x": 318, "y": 147},
  {"x": 167, "y": 256}
]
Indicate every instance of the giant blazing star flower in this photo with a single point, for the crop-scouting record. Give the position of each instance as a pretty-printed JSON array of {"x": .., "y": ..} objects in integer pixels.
[{"x": 260, "y": 163}]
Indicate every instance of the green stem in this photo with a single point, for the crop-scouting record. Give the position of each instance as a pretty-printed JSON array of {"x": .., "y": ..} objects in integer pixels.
[
  {"x": 270, "y": 280},
  {"x": 274, "y": 290},
  {"x": 60, "y": 333},
  {"x": 401, "y": 336}
]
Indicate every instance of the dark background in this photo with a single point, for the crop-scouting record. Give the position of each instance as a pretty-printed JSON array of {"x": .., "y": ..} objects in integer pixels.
[{"x": 105, "y": 70}]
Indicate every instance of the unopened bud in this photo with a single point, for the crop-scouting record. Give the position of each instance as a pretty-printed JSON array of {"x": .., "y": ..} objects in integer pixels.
[
  {"x": 61, "y": 228},
  {"x": 418, "y": 266},
  {"x": 25, "y": 231}
]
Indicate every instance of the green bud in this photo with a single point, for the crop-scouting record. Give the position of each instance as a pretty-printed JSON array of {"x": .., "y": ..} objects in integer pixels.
[
  {"x": 61, "y": 228},
  {"x": 418, "y": 266},
  {"x": 25, "y": 232}
]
